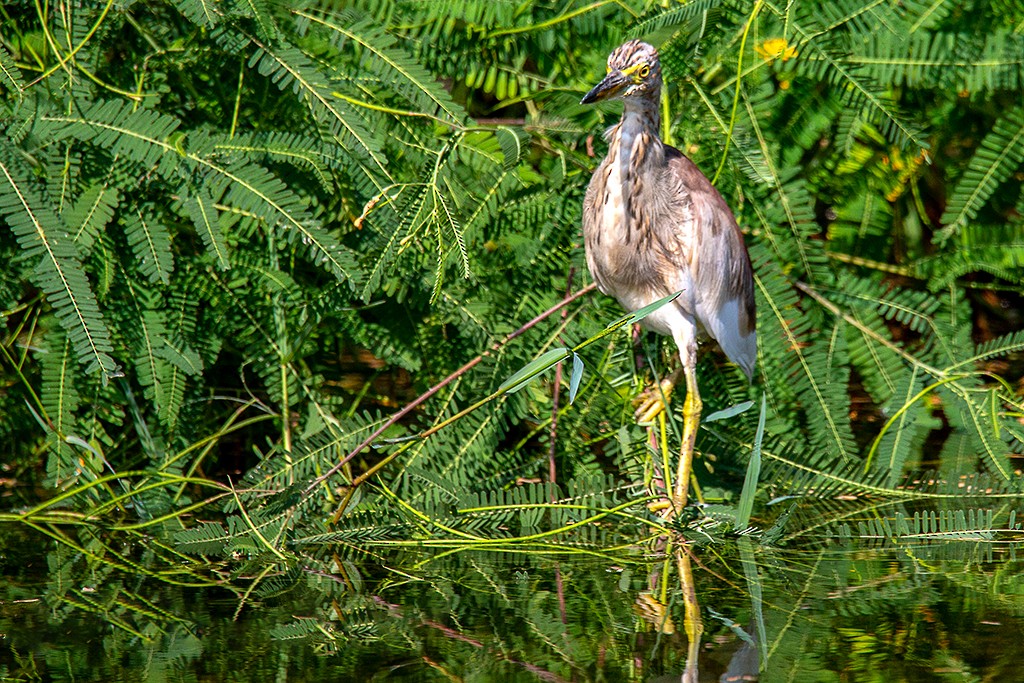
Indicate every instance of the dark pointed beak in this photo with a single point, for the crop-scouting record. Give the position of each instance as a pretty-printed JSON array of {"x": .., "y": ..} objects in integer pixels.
[{"x": 612, "y": 84}]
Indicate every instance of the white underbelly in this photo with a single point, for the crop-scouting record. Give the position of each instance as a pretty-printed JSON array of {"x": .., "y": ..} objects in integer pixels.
[
  {"x": 613, "y": 211},
  {"x": 618, "y": 267}
]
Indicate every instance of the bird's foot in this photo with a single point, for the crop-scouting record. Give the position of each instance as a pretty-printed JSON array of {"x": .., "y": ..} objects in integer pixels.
[
  {"x": 654, "y": 612},
  {"x": 653, "y": 401}
]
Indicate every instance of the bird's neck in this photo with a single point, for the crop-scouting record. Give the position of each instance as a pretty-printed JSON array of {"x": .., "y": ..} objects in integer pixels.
[
  {"x": 635, "y": 142},
  {"x": 635, "y": 152},
  {"x": 641, "y": 116}
]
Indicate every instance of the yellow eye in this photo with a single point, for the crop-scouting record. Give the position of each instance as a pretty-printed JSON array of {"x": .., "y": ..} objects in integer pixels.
[{"x": 644, "y": 71}]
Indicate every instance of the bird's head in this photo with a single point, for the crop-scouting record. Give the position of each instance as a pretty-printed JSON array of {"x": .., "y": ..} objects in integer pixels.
[{"x": 634, "y": 73}]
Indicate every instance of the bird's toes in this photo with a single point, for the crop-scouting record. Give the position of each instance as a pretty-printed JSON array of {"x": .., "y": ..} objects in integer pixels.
[
  {"x": 647, "y": 411},
  {"x": 653, "y": 402}
]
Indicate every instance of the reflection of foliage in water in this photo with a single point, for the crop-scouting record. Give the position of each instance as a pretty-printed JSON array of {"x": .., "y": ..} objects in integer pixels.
[{"x": 827, "y": 606}]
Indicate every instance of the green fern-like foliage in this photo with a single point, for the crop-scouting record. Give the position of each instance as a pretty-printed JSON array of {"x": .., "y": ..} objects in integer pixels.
[
  {"x": 232, "y": 257},
  {"x": 267, "y": 269}
]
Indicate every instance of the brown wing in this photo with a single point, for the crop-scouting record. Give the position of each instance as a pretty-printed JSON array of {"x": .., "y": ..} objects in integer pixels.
[
  {"x": 591, "y": 216},
  {"x": 717, "y": 257}
]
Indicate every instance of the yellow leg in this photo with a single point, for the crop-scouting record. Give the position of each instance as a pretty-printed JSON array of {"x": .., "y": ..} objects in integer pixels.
[
  {"x": 693, "y": 623},
  {"x": 692, "y": 407}
]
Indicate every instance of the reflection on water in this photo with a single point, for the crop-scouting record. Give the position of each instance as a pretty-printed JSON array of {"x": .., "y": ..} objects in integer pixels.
[{"x": 662, "y": 611}]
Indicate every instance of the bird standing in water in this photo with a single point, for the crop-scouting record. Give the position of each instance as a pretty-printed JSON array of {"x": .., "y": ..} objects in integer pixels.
[{"x": 653, "y": 225}]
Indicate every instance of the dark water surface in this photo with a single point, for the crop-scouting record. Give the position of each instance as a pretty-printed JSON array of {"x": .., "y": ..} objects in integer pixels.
[{"x": 75, "y": 606}]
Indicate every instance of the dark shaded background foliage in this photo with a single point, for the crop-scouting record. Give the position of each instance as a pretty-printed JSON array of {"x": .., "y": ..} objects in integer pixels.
[{"x": 237, "y": 235}]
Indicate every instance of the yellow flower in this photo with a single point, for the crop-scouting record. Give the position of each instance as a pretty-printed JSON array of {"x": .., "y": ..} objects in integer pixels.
[{"x": 776, "y": 48}]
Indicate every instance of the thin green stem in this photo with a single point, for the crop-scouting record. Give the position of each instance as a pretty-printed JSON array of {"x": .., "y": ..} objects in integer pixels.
[
  {"x": 563, "y": 506},
  {"x": 554, "y": 21},
  {"x": 736, "y": 96},
  {"x": 253, "y": 527},
  {"x": 62, "y": 61}
]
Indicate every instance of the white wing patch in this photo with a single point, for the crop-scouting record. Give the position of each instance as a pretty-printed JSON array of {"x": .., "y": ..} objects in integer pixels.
[{"x": 724, "y": 326}]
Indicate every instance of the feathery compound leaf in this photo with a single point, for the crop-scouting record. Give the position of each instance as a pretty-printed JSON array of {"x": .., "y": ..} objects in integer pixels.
[
  {"x": 201, "y": 210},
  {"x": 259, "y": 11},
  {"x": 925, "y": 14},
  {"x": 151, "y": 244},
  {"x": 1000, "y": 346},
  {"x": 90, "y": 214},
  {"x": 60, "y": 400},
  {"x": 10, "y": 76},
  {"x": 58, "y": 271},
  {"x": 999, "y": 155},
  {"x": 255, "y": 191},
  {"x": 679, "y": 13},
  {"x": 944, "y": 60},
  {"x": 513, "y": 143},
  {"x": 291, "y": 148},
  {"x": 395, "y": 68},
  {"x": 827, "y": 61},
  {"x": 206, "y": 13},
  {"x": 158, "y": 377},
  {"x": 906, "y": 428},
  {"x": 815, "y": 369},
  {"x": 290, "y": 69},
  {"x": 142, "y": 135},
  {"x": 204, "y": 538}
]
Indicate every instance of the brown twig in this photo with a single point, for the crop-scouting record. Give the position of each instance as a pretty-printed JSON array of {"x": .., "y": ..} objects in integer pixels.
[
  {"x": 556, "y": 391},
  {"x": 442, "y": 384},
  {"x": 553, "y": 430}
]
